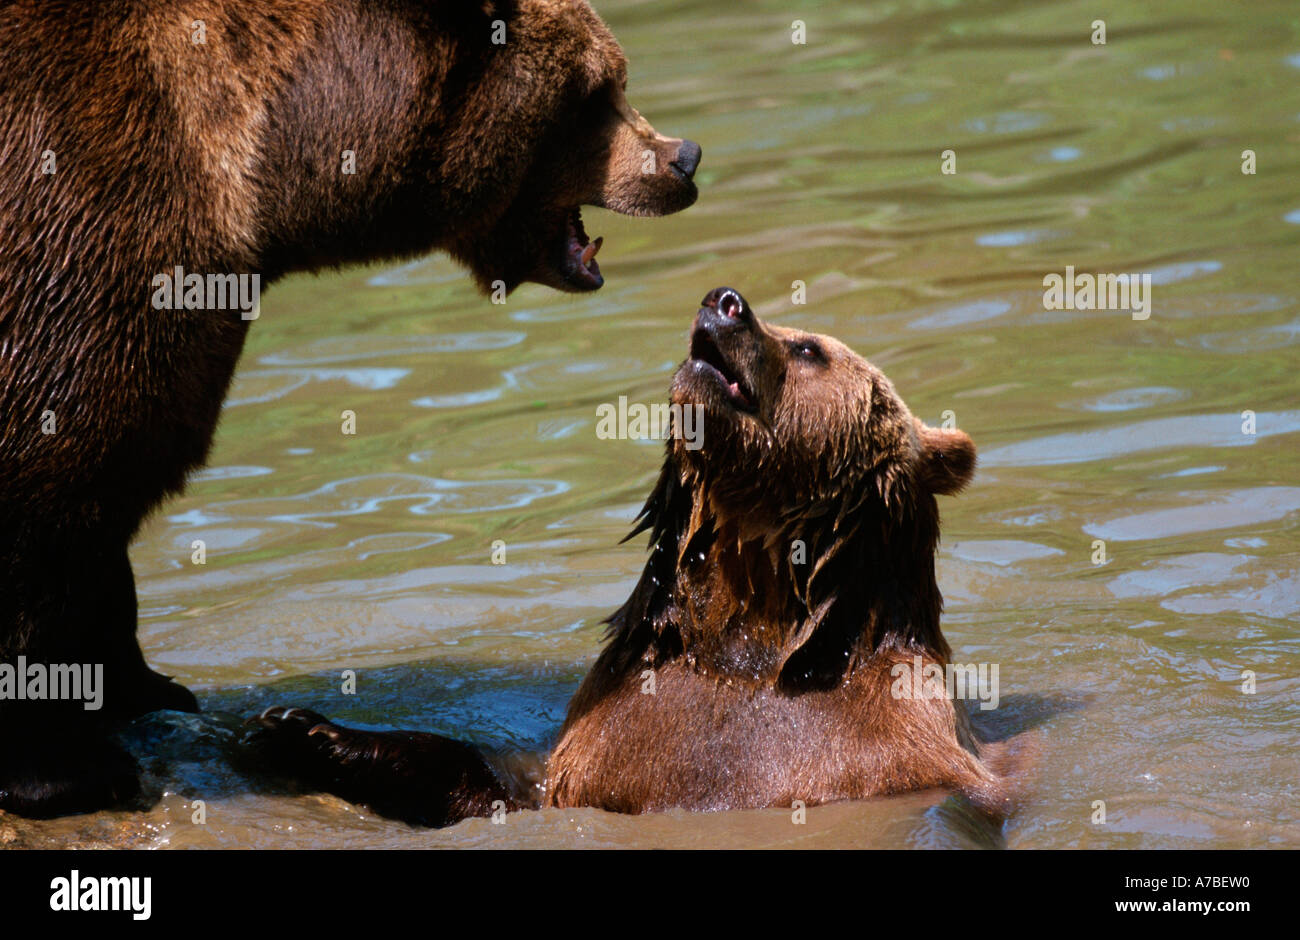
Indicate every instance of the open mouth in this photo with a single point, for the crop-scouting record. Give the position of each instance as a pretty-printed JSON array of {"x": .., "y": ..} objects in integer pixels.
[
  {"x": 710, "y": 360},
  {"x": 578, "y": 261}
]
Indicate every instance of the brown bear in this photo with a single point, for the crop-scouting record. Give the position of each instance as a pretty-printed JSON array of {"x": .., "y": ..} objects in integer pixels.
[
  {"x": 228, "y": 142},
  {"x": 769, "y": 652}
]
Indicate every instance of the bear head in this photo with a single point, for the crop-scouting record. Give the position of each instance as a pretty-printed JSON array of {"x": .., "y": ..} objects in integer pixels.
[
  {"x": 552, "y": 113},
  {"x": 794, "y": 524}
]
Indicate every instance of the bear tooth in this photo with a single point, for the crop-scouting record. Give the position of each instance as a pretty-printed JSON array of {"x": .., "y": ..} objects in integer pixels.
[{"x": 590, "y": 251}]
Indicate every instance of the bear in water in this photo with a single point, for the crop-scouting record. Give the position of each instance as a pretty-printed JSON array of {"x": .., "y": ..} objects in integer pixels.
[
  {"x": 775, "y": 645},
  {"x": 161, "y": 169}
]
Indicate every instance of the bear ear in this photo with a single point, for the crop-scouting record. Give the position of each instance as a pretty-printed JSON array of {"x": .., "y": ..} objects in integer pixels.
[{"x": 947, "y": 458}]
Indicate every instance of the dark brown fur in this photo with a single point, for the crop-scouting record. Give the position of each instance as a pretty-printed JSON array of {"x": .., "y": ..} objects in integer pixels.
[
  {"x": 225, "y": 157},
  {"x": 771, "y": 668},
  {"x": 740, "y": 673}
]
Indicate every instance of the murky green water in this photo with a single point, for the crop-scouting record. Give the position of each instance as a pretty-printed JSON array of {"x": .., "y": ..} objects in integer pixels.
[{"x": 821, "y": 163}]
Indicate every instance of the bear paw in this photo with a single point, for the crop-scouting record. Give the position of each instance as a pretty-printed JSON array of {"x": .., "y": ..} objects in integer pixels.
[
  {"x": 423, "y": 779},
  {"x": 59, "y": 777}
]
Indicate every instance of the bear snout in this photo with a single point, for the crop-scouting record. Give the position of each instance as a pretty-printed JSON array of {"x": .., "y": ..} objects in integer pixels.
[
  {"x": 687, "y": 160},
  {"x": 648, "y": 174},
  {"x": 723, "y": 308}
]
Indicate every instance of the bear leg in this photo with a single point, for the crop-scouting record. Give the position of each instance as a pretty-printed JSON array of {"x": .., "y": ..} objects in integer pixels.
[
  {"x": 56, "y": 766},
  {"x": 70, "y": 602},
  {"x": 422, "y": 779},
  {"x": 131, "y": 688}
]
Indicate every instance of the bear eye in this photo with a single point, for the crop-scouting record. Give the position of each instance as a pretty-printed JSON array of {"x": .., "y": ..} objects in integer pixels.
[
  {"x": 810, "y": 350},
  {"x": 597, "y": 105}
]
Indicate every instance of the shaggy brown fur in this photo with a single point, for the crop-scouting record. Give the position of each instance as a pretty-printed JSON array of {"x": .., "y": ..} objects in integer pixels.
[
  {"x": 226, "y": 157},
  {"x": 743, "y": 672}
]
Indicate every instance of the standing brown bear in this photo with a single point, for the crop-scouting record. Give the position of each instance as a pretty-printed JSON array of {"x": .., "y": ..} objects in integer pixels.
[
  {"x": 771, "y": 649},
  {"x": 232, "y": 139}
]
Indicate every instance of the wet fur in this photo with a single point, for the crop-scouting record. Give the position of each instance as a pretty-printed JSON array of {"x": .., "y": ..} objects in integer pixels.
[
  {"x": 737, "y": 676},
  {"x": 225, "y": 157}
]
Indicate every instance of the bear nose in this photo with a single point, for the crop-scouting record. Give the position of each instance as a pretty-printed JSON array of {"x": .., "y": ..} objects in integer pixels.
[
  {"x": 687, "y": 159},
  {"x": 724, "y": 307}
]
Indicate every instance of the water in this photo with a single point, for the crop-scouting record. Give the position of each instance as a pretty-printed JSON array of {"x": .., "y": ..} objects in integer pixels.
[{"x": 821, "y": 163}]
